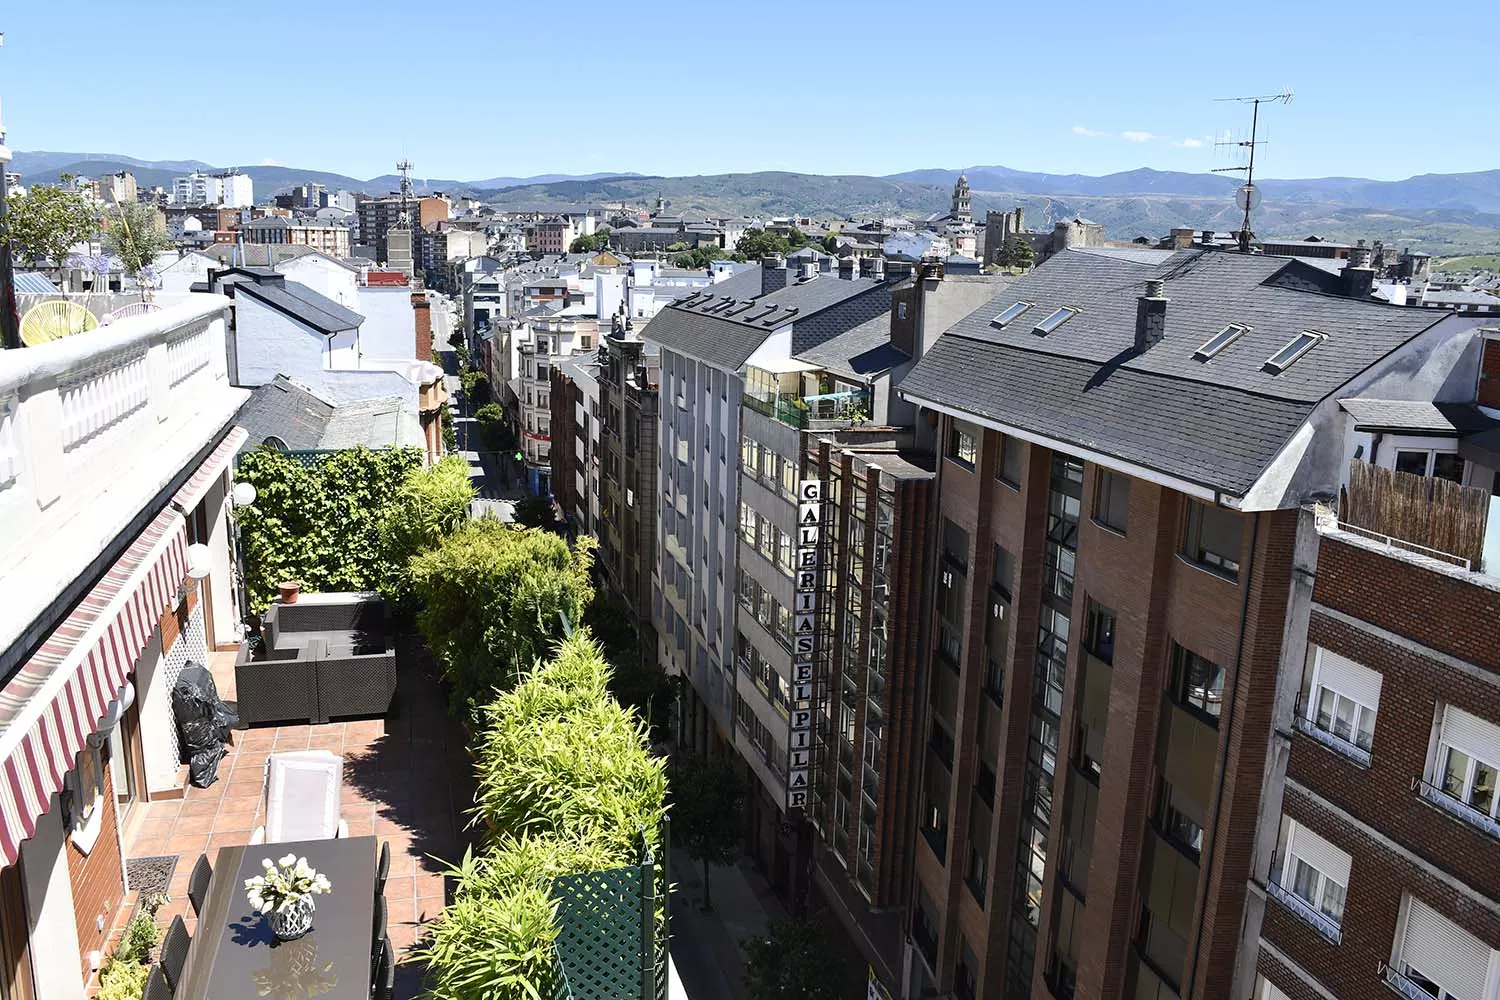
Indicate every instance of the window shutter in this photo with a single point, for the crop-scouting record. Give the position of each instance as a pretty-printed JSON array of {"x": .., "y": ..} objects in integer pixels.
[
  {"x": 1349, "y": 678},
  {"x": 1471, "y": 734},
  {"x": 1444, "y": 952},
  {"x": 1307, "y": 845}
]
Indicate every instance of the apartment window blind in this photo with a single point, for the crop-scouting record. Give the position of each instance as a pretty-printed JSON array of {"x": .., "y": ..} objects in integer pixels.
[
  {"x": 1471, "y": 735},
  {"x": 1322, "y": 855},
  {"x": 1444, "y": 952},
  {"x": 1348, "y": 678}
]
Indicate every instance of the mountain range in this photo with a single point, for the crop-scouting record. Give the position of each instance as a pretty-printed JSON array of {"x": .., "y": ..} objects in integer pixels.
[{"x": 1443, "y": 214}]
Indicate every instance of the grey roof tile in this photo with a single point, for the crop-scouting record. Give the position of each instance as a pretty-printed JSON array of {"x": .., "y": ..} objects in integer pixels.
[
  {"x": 286, "y": 410},
  {"x": 302, "y": 303}
]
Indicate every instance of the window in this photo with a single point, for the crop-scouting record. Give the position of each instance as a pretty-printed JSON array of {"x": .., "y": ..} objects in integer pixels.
[
  {"x": 1012, "y": 452},
  {"x": 1004, "y": 572},
  {"x": 1288, "y": 355},
  {"x": 955, "y": 546},
  {"x": 1010, "y": 313},
  {"x": 1439, "y": 465},
  {"x": 984, "y": 783},
  {"x": 1197, "y": 683},
  {"x": 1220, "y": 340},
  {"x": 1174, "y": 822},
  {"x": 1055, "y": 319},
  {"x": 941, "y": 742},
  {"x": 1100, "y": 637},
  {"x": 901, "y": 310},
  {"x": 1468, "y": 762},
  {"x": 1439, "y": 958},
  {"x": 1213, "y": 538},
  {"x": 1316, "y": 873},
  {"x": 1112, "y": 500},
  {"x": 963, "y": 446},
  {"x": 1412, "y": 462},
  {"x": 1342, "y": 701}
]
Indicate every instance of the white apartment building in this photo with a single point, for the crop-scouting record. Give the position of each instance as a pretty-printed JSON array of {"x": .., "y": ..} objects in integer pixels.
[
  {"x": 232, "y": 190},
  {"x": 115, "y": 457}
]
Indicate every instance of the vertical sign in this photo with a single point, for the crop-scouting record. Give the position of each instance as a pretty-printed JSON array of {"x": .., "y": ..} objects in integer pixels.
[{"x": 804, "y": 638}]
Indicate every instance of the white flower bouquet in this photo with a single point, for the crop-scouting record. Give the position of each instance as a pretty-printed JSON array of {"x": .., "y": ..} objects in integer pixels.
[{"x": 290, "y": 880}]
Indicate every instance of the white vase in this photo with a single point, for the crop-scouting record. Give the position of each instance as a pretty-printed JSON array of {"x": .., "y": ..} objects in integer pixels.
[{"x": 293, "y": 920}]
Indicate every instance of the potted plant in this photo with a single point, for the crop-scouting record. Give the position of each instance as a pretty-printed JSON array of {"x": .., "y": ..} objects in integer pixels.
[
  {"x": 283, "y": 893},
  {"x": 287, "y": 591}
]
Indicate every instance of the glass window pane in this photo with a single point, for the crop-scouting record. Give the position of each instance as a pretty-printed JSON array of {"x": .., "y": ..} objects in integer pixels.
[
  {"x": 1482, "y": 796},
  {"x": 1414, "y": 462},
  {"x": 1447, "y": 465},
  {"x": 1304, "y": 881},
  {"x": 1343, "y": 719},
  {"x": 1326, "y": 699},
  {"x": 1455, "y": 773}
]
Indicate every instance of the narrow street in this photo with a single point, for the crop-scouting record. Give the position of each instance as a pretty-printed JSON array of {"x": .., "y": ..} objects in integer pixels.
[{"x": 496, "y": 489}]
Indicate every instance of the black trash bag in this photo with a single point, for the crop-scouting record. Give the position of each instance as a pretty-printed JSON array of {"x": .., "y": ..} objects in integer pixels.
[
  {"x": 204, "y": 748},
  {"x": 195, "y": 696}
]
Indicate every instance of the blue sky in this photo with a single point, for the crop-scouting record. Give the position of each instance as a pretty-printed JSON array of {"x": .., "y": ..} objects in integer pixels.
[{"x": 478, "y": 90}]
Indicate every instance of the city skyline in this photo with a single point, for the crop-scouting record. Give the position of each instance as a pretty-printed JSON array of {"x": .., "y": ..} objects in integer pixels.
[{"x": 1076, "y": 105}]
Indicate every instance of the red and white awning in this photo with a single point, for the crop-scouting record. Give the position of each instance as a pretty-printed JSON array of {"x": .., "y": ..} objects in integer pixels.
[
  {"x": 54, "y": 702},
  {"x": 212, "y": 468}
]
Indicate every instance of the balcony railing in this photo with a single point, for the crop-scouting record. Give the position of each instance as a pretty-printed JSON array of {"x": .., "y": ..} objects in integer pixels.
[
  {"x": 1400, "y": 984},
  {"x": 1456, "y": 808},
  {"x": 1321, "y": 922},
  {"x": 803, "y": 412},
  {"x": 1331, "y": 740},
  {"x": 92, "y": 427}
]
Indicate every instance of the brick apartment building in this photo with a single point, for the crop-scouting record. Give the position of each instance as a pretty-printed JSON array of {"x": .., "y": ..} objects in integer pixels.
[
  {"x": 378, "y": 215},
  {"x": 1135, "y": 603}
]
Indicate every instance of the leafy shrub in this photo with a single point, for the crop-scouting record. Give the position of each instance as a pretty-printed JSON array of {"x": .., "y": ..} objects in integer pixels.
[
  {"x": 492, "y": 597},
  {"x": 430, "y": 505},
  {"x": 476, "y": 387},
  {"x": 588, "y": 789},
  {"x": 124, "y": 975},
  {"x": 490, "y": 420},
  {"x": 123, "y": 979},
  {"x": 320, "y": 523}
]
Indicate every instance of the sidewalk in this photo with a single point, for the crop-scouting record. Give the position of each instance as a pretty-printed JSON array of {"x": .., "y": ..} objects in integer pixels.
[{"x": 705, "y": 945}]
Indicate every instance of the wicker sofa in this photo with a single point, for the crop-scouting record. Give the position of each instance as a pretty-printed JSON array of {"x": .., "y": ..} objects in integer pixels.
[{"x": 325, "y": 656}]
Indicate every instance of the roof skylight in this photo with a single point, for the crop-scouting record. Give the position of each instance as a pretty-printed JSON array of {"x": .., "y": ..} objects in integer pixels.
[
  {"x": 1011, "y": 312},
  {"x": 1288, "y": 355},
  {"x": 1056, "y": 319},
  {"x": 1220, "y": 340}
]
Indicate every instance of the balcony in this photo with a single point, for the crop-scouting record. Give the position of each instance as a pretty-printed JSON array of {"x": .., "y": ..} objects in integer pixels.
[
  {"x": 93, "y": 429},
  {"x": 1310, "y": 914},
  {"x": 1402, "y": 985},
  {"x": 1333, "y": 741},
  {"x": 1459, "y": 810},
  {"x": 1421, "y": 515},
  {"x": 800, "y": 396}
]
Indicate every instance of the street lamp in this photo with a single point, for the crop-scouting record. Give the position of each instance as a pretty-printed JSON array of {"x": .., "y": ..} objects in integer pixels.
[{"x": 242, "y": 496}]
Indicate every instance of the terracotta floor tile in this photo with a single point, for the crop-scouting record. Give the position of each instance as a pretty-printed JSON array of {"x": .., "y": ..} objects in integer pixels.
[
  {"x": 401, "y": 887},
  {"x": 198, "y": 807},
  {"x": 238, "y": 810},
  {"x": 247, "y": 787},
  {"x": 427, "y": 885}
]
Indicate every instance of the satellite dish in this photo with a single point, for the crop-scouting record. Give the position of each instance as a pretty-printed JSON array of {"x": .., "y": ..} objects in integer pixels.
[
  {"x": 1247, "y": 197},
  {"x": 55, "y": 320}
]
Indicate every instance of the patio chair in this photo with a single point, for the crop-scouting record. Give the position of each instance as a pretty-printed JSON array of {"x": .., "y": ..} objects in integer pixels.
[
  {"x": 156, "y": 985},
  {"x": 385, "y": 973},
  {"x": 174, "y": 952},
  {"x": 302, "y": 797},
  {"x": 203, "y": 872},
  {"x": 377, "y": 954},
  {"x": 383, "y": 867}
]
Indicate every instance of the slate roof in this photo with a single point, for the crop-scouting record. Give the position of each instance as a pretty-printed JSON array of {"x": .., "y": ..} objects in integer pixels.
[
  {"x": 287, "y": 410},
  {"x": 303, "y": 304},
  {"x": 1416, "y": 416},
  {"x": 723, "y": 324},
  {"x": 860, "y": 353},
  {"x": 1217, "y": 423}
]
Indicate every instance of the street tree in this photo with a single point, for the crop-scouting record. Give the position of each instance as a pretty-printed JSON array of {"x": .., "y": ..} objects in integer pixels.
[
  {"x": 46, "y": 222},
  {"x": 131, "y": 234},
  {"x": 534, "y": 512},
  {"x": 757, "y": 243},
  {"x": 794, "y": 961},
  {"x": 708, "y": 796},
  {"x": 1021, "y": 255}
]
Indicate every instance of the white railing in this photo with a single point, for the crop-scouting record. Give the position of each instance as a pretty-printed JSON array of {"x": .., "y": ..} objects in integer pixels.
[
  {"x": 1320, "y": 921},
  {"x": 93, "y": 428}
]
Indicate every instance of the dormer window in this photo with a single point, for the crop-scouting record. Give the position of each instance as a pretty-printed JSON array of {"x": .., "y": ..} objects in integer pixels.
[
  {"x": 1220, "y": 340},
  {"x": 1288, "y": 355},
  {"x": 1056, "y": 319},
  {"x": 1010, "y": 313}
]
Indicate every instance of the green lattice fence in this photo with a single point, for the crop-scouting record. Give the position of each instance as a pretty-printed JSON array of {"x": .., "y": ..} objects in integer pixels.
[{"x": 612, "y": 941}]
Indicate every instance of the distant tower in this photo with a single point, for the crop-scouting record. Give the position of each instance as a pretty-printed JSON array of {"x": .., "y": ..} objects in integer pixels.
[
  {"x": 400, "y": 251},
  {"x": 403, "y": 221},
  {"x": 961, "y": 210},
  {"x": 661, "y": 205}
]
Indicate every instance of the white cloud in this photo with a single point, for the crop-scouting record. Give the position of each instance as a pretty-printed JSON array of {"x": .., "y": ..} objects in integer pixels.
[
  {"x": 1080, "y": 130},
  {"x": 1189, "y": 143},
  {"x": 268, "y": 162},
  {"x": 1130, "y": 135}
]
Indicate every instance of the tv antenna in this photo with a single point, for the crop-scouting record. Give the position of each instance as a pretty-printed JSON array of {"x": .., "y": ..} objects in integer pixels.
[
  {"x": 403, "y": 167},
  {"x": 1247, "y": 197}
]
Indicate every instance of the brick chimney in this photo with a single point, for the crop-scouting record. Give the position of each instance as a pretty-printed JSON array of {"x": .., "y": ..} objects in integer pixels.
[
  {"x": 1182, "y": 237},
  {"x": 772, "y": 273},
  {"x": 1150, "y": 315},
  {"x": 422, "y": 314},
  {"x": 1489, "y": 369}
]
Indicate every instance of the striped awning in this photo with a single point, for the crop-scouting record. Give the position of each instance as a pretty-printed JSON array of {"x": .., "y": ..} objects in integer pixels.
[
  {"x": 54, "y": 702},
  {"x": 192, "y": 491}
]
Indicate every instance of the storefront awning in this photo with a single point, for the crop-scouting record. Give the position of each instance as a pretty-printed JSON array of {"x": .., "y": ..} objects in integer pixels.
[
  {"x": 58, "y": 698},
  {"x": 212, "y": 468}
]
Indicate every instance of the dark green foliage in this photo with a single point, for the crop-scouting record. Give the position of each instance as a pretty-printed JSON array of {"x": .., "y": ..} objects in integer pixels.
[
  {"x": 757, "y": 243},
  {"x": 476, "y": 387},
  {"x": 450, "y": 436},
  {"x": 319, "y": 523},
  {"x": 1019, "y": 253},
  {"x": 637, "y": 680},
  {"x": 456, "y": 339},
  {"x": 708, "y": 804},
  {"x": 490, "y": 420},
  {"x": 535, "y": 512},
  {"x": 591, "y": 244},
  {"x": 794, "y": 961},
  {"x": 431, "y": 504},
  {"x": 796, "y": 239},
  {"x": 699, "y": 258},
  {"x": 46, "y": 222},
  {"x": 492, "y": 597}
]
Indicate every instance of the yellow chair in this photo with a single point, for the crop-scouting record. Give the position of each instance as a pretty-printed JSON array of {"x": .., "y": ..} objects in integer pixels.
[{"x": 55, "y": 320}]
